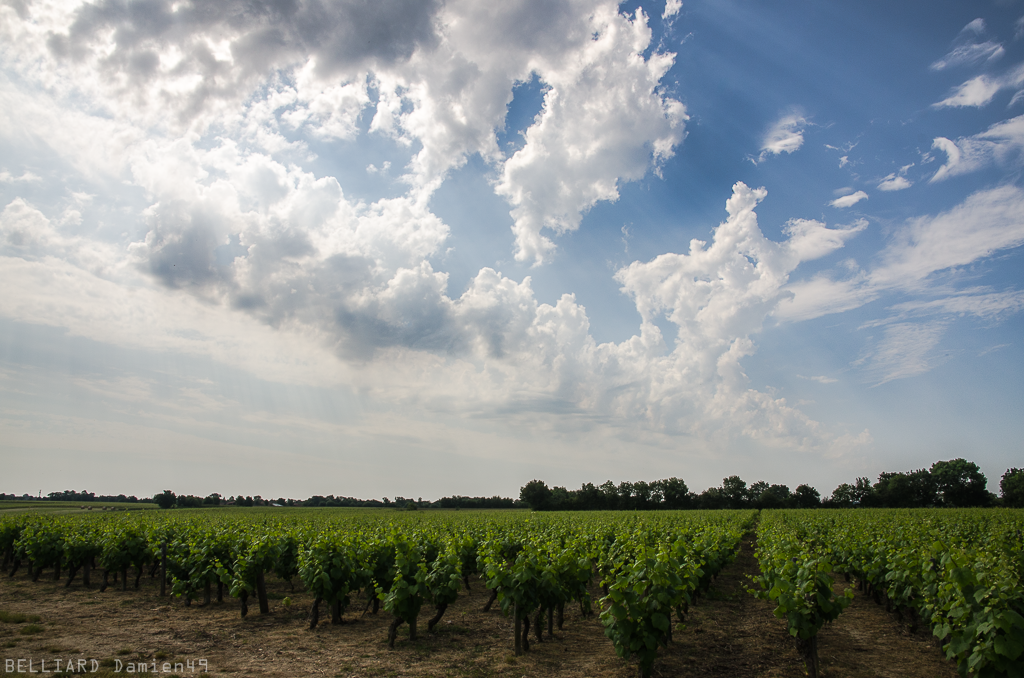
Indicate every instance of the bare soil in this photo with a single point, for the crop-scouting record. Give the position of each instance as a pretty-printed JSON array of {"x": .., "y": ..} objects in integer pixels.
[{"x": 728, "y": 633}]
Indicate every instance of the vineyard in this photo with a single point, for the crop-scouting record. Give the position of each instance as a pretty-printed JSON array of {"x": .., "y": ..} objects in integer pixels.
[{"x": 645, "y": 579}]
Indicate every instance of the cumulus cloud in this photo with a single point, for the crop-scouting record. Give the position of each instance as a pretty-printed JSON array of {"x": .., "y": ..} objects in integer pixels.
[
  {"x": 328, "y": 275},
  {"x": 672, "y": 8},
  {"x": 1001, "y": 143},
  {"x": 599, "y": 125},
  {"x": 849, "y": 200},
  {"x": 785, "y": 136},
  {"x": 437, "y": 77},
  {"x": 208, "y": 117},
  {"x": 192, "y": 60}
]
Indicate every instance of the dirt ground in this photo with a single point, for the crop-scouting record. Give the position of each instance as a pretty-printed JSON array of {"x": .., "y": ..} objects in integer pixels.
[{"x": 729, "y": 633}]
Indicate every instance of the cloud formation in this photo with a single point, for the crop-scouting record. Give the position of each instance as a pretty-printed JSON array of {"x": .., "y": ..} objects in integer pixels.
[
  {"x": 785, "y": 136},
  {"x": 981, "y": 89},
  {"x": 1001, "y": 143},
  {"x": 892, "y": 182},
  {"x": 849, "y": 200},
  {"x": 376, "y": 302},
  {"x": 987, "y": 222},
  {"x": 968, "y": 50}
]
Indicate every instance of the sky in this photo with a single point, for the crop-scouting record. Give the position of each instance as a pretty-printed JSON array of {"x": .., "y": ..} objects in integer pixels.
[{"x": 414, "y": 248}]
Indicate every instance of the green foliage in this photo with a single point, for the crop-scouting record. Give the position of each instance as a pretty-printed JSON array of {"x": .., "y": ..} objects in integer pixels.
[
  {"x": 409, "y": 588},
  {"x": 165, "y": 499},
  {"x": 332, "y": 567},
  {"x": 960, "y": 571},
  {"x": 1011, "y": 486}
]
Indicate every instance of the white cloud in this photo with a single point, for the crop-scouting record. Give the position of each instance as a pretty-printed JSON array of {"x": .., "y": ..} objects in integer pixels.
[
  {"x": 893, "y": 182},
  {"x": 785, "y": 136},
  {"x": 970, "y": 54},
  {"x": 820, "y": 379},
  {"x": 980, "y": 90},
  {"x": 968, "y": 50},
  {"x": 443, "y": 75},
  {"x": 822, "y": 295},
  {"x": 1001, "y": 143},
  {"x": 7, "y": 178},
  {"x": 849, "y": 200},
  {"x": 905, "y": 350},
  {"x": 603, "y": 122},
  {"x": 977, "y": 91},
  {"x": 978, "y": 303},
  {"x": 319, "y": 275},
  {"x": 672, "y": 8},
  {"x": 986, "y": 222}
]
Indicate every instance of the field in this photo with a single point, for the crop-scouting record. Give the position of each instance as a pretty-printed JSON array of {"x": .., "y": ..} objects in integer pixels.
[
  {"x": 725, "y": 630},
  {"x": 14, "y": 506}
]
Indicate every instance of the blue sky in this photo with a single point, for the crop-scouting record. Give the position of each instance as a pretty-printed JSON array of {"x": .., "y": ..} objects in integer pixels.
[{"x": 443, "y": 248}]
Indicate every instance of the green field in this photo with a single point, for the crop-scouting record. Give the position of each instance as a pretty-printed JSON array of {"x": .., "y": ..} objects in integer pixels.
[{"x": 956, "y": 571}]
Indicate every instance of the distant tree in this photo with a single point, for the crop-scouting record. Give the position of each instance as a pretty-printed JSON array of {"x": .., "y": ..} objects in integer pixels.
[
  {"x": 862, "y": 490},
  {"x": 609, "y": 496},
  {"x": 712, "y": 498},
  {"x": 625, "y": 496},
  {"x": 959, "y": 483},
  {"x": 806, "y": 497},
  {"x": 188, "y": 501},
  {"x": 165, "y": 500},
  {"x": 755, "y": 490},
  {"x": 775, "y": 497},
  {"x": 843, "y": 496},
  {"x": 1011, "y": 488},
  {"x": 735, "y": 490},
  {"x": 537, "y": 495},
  {"x": 212, "y": 500},
  {"x": 561, "y": 499},
  {"x": 643, "y": 495},
  {"x": 915, "y": 489},
  {"x": 674, "y": 493},
  {"x": 589, "y": 497}
]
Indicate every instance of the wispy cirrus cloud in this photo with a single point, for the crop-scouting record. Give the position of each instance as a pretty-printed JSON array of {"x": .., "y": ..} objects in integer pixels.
[
  {"x": 968, "y": 49},
  {"x": 987, "y": 222},
  {"x": 904, "y": 350}
]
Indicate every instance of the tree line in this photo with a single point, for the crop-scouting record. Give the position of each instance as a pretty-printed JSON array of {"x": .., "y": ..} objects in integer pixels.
[
  {"x": 953, "y": 483},
  {"x": 956, "y": 483},
  {"x": 168, "y": 499}
]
